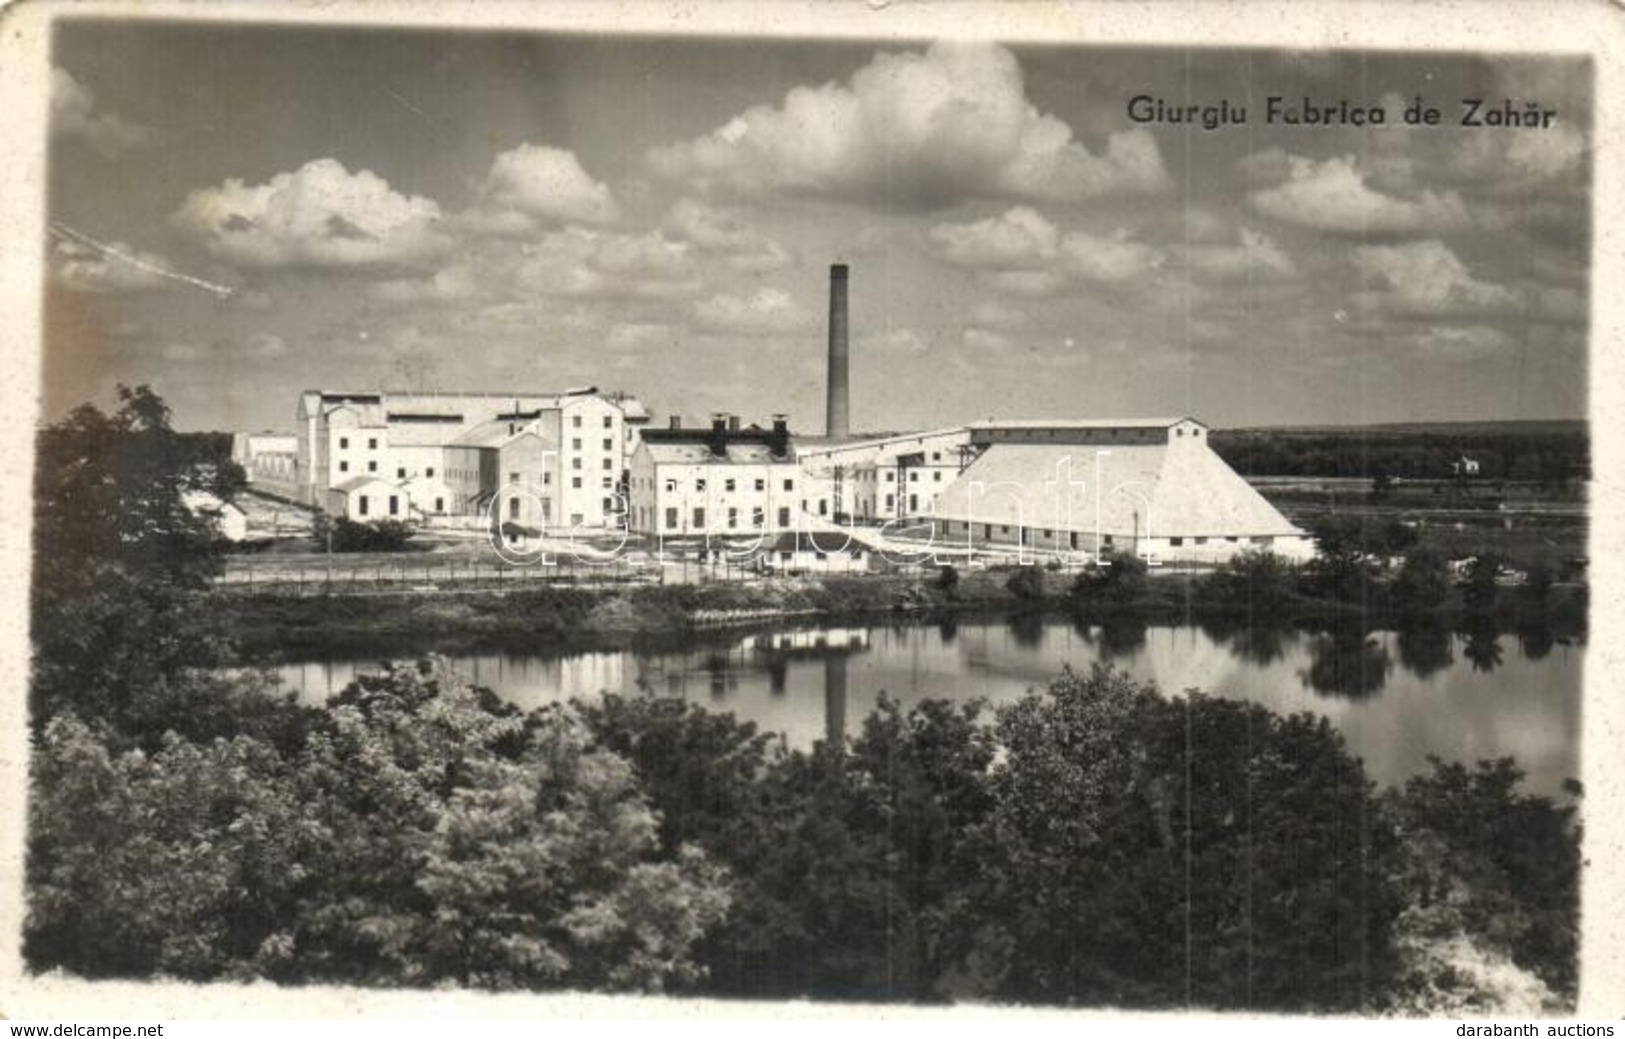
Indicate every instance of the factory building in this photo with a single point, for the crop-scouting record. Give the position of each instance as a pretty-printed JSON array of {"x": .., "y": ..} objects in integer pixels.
[
  {"x": 452, "y": 442},
  {"x": 720, "y": 481},
  {"x": 887, "y": 478},
  {"x": 1150, "y": 487}
]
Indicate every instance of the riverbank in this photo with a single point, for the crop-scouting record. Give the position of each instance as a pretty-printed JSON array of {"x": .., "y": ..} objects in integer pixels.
[{"x": 269, "y": 624}]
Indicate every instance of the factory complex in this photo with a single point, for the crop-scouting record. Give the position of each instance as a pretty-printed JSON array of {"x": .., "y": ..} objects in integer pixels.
[{"x": 531, "y": 464}]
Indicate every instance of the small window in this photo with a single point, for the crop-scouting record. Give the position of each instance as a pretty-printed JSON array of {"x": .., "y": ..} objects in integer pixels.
[
  {"x": 429, "y": 472},
  {"x": 699, "y": 518},
  {"x": 757, "y": 518},
  {"x": 362, "y": 504},
  {"x": 1176, "y": 542},
  {"x": 890, "y": 500},
  {"x": 513, "y": 508},
  {"x": 1107, "y": 540},
  {"x": 728, "y": 484},
  {"x": 440, "y": 505},
  {"x": 372, "y": 467},
  {"x": 784, "y": 516},
  {"x": 513, "y": 477},
  {"x": 936, "y": 456},
  {"x": 671, "y": 519},
  {"x": 789, "y": 485},
  {"x": 733, "y": 518},
  {"x": 1264, "y": 541},
  {"x": 575, "y": 443},
  {"x": 575, "y": 481},
  {"x": 1004, "y": 530},
  {"x": 575, "y": 463},
  {"x": 671, "y": 486},
  {"x": 761, "y": 485},
  {"x": 344, "y": 467},
  {"x": 609, "y": 444},
  {"x": 394, "y": 505},
  {"x": 609, "y": 482},
  {"x": 890, "y": 476},
  {"x": 937, "y": 476},
  {"x": 372, "y": 443},
  {"x": 344, "y": 442},
  {"x": 1201, "y": 541},
  {"x": 607, "y": 464},
  {"x": 547, "y": 479},
  {"x": 575, "y": 420},
  {"x": 699, "y": 484},
  {"x": 609, "y": 423}
]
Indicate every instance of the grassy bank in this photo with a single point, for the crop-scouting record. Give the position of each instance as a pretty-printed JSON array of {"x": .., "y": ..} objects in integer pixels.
[{"x": 268, "y": 624}]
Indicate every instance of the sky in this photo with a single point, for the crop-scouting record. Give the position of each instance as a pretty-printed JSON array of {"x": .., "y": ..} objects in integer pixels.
[{"x": 238, "y": 213}]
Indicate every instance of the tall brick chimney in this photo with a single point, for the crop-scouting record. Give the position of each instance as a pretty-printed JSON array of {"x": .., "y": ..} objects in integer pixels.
[{"x": 836, "y": 421}]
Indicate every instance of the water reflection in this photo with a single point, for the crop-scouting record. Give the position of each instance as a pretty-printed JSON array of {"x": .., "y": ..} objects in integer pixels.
[
  {"x": 1347, "y": 662},
  {"x": 1396, "y": 696}
]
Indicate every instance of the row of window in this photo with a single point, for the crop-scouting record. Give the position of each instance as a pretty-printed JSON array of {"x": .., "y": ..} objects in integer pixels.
[
  {"x": 729, "y": 485},
  {"x": 609, "y": 423},
  {"x": 758, "y": 517}
]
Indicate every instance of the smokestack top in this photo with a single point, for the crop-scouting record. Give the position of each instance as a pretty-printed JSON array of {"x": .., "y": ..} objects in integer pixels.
[{"x": 838, "y": 271}]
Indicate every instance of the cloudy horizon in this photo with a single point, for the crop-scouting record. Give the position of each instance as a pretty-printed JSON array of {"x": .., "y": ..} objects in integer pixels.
[{"x": 239, "y": 213}]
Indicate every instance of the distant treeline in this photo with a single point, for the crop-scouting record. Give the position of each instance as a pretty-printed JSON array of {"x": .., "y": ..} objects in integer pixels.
[{"x": 1544, "y": 452}]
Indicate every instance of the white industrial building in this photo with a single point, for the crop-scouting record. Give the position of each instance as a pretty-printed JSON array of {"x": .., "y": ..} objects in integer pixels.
[
  {"x": 886, "y": 477},
  {"x": 721, "y": 481},
  {"x": 1150, "y": 487},
  {"x": 565, "y": 455}
]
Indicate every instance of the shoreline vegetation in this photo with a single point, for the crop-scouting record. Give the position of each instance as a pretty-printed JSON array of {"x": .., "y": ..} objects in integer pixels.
[
  {"x": 631, "y": 616},
  {"x": 1093, "y": 843}
]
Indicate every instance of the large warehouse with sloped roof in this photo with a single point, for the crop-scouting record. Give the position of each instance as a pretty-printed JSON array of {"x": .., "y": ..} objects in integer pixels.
[{"x": 1150, "y": 487}]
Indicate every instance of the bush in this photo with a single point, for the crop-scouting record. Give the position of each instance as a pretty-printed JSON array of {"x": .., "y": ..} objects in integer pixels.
[
  {"x": 1261, "y": 582},
  {"x": 1120, "y": 578},
  {"x": 1478, "y": 583},
  {"x": 947, "y": 579},
  {"x": 1026, "y": 582},
  {"x": 349, "y": 536},
  {"x": 1423, "y": 581}
]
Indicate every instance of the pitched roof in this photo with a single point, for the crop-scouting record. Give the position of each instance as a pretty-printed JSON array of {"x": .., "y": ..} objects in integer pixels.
[
  {"x": 496, "y": 433},
  {"x": 1084, "y": 423},
  {"x": 1161, "y": 490},
  {"x": 355, "y": 483}
]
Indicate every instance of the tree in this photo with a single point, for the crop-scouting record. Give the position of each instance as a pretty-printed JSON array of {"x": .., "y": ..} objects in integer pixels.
[
  {"x": 1479, "y": 587},
  {"x": 1026, "y": 583},
  {"x": 1120, "y": 579},
  {"x": 490, "y": 849},
  {"x": 1423, "y": 581},
  {"x": 1262, "y": 583},
  {"x": 118, "y": 557},
  {"x": 423, "y": 833},
  {"x": 1487, "y": 868}
]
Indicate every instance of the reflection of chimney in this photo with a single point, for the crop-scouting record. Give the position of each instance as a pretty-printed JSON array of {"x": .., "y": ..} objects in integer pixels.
[
  {"x": 835, "y": 701},
  {"x": 835, "y": 416}
]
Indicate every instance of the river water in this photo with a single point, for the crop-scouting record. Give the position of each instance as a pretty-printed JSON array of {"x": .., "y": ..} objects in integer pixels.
[{"x": 1396, "y": 697}]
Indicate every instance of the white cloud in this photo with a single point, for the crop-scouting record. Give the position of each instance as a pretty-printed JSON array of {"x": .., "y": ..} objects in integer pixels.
[
  {"x": 767, "y": 310},
  {"x": 915, "y": 130},
  {"x": 1027, "y": 284},
  {"x": 725, "y": 234},
  {"x": 118, "y": 268},
  {"x": 993, "y": 314},
  {"x": 1022, "y": 253},
  {"x": 893, "y": 341},
  {"x": 450, "y": 284},
  {"x": 634, "y": 335},
  {"x": 320, "y": 216},
  {"x": 532, "y": 186},
  {"x": 1109, "y": 260},
  {"x": 983, "y": 340},
  {"x": 1334, "y": 196},
  {"x": 74, "y": 117},
  {"x": 1020, "y": 238},
  {"x": 1427, "y": 279},
  {"x": 1255, "y": 256},
  {"x": 595, "y": 264}
]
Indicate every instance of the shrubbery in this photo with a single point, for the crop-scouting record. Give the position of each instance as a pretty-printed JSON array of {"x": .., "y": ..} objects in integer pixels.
[{"x": 347, "y": 535}]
